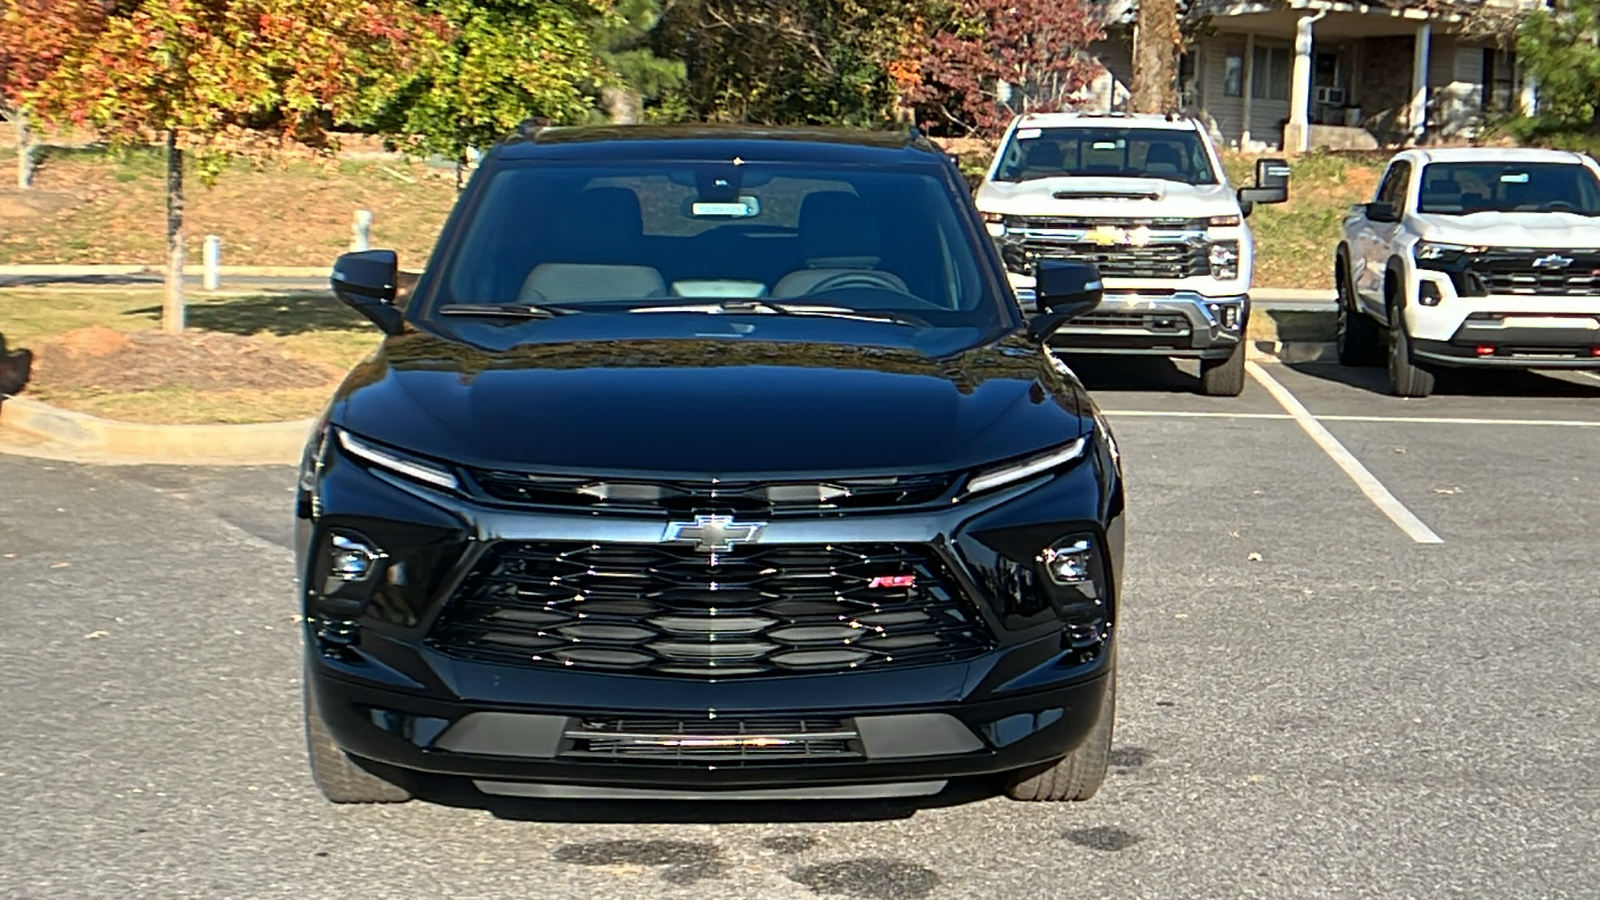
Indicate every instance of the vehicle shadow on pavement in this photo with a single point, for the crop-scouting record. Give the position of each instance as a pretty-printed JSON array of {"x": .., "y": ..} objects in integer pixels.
[
  {"x": 450, "y": 792},
  {"x": 1460, "y": 382},
  {"x": 1149, "y": 373},
  {"x": 280, "y": 314}
]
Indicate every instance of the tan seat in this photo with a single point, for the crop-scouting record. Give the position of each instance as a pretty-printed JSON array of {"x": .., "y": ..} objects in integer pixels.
[{"x": 839, "y": 235}]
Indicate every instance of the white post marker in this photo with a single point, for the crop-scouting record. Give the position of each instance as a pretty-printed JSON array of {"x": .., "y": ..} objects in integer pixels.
[
  {"x": 361, "y": 238},
  {"x": 213, "y": 271},
  {"x": 1344, "y": 459}
]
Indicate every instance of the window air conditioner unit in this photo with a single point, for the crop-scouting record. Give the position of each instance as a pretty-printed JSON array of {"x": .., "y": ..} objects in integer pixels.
[{"x": 1330, "y": 95}]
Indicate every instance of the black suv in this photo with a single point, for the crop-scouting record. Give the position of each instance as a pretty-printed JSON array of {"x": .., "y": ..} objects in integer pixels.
[{"x": 710, "y": 462}]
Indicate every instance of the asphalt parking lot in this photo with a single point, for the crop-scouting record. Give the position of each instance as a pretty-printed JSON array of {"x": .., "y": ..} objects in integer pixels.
[{"x": 1360, "y": 667}]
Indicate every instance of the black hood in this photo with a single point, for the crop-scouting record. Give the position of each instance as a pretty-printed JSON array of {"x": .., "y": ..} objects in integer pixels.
[{"x": 712, "y": 406}]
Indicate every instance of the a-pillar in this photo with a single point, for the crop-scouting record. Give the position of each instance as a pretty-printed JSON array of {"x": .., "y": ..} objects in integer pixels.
[
  {"x": 1297, "y": 133},
  {"x": 1418, "y": 113}
]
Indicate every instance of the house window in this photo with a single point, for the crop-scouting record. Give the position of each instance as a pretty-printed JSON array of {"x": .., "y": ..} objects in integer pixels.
[
  {"x": 1233, "y": 74},
  {"x": 1271, "y": 81},
  {"x": 1499, "y": 80}
]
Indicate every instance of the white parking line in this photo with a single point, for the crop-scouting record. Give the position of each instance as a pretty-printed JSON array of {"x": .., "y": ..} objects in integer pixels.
[
  {"x": 1345, "y": 460},
  {"x": 1408, "y": 420}
]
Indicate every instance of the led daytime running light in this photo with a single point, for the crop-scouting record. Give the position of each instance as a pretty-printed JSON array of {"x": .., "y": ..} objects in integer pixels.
[
  {"x": 383, "y": 459},
  {"x": 1026, "y": 468}
]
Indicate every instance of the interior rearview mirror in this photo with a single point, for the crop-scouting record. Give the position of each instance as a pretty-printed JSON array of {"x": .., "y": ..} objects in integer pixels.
[
  {"x": 1064, "y": 291},
  {"x": 367, "y": 281}
]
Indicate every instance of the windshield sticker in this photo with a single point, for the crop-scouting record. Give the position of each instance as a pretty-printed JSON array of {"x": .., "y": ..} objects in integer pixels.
[
  {"x": 1028, "y": 134},
  {"x": 743, "y": 208},
  {"x": 1515, "y": 178}
]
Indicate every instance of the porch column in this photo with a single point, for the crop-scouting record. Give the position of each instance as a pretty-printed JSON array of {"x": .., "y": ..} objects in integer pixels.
[
  {"x": 1249, "y": 88},
  {"x": 1529, "y": 101},
  {"x": 1419, "y": 81},
  {"x": 1297, "y": 136}
]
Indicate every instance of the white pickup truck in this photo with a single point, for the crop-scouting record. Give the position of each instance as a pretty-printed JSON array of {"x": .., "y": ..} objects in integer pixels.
[
  {"x": 1475, "y": 256},
  {"x": 1145, "y": 198}
]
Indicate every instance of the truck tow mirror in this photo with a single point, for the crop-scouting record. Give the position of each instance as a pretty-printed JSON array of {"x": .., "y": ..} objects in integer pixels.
[{"x": 1272, "y": 185}]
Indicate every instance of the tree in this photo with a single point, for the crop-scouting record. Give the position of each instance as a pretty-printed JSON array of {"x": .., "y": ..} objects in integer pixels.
[
  {"x": 1560, "y": 48},
  {"x": 990, "y": 60},
  {"x": 636, "y": 74},
  {"x": 1156, "y": 44},
  {"x": 787, "y": 62},
  {"x": 35, "y": 36},
  {"x": 507, "y": 61},
  {"x": 194, "y": 73}
]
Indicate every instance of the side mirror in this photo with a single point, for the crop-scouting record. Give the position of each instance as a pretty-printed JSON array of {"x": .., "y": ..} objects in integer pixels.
[
  {"x": 367, "y": 281},
  {"x": 1382, "y": 212},
  {"x": 1065, "y": 290},
  {"x": 1272, "y": 185}
]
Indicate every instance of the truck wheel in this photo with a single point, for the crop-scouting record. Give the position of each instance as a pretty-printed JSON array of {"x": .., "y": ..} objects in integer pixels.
[
  {"x": 1406, "y": 378},
  {"x": 1079, "y": 775},
  {"x": 1359, "y": 339},
  {"x": 338, "y": 776},
  {"x": 1223, "y": 377}
]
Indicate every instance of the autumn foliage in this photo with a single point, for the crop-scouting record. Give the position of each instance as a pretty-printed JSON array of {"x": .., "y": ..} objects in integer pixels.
[{"x": 977, "y": 63}]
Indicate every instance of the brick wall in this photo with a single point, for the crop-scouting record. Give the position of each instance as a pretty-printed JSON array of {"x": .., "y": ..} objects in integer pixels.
[{"x": 1386, "y": 87}]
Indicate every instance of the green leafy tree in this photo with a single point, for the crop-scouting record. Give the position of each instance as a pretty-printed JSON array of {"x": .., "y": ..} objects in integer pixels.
[
  {"x": 197, "y": 74},
  {"x": 788, "y": 61},
  {"x": 636, "y": 76},
  {"x": 507, "y": 61},
  {"x": 1560, "y": 48}
]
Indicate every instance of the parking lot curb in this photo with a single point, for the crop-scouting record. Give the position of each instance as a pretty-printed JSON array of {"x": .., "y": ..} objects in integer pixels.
[
  {"x": 31, "y": 428},
  {"x": 1292, "y": 351}
]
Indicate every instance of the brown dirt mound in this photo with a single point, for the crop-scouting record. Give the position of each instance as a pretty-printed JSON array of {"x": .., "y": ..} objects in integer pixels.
[{"x": 100, "y": 359}]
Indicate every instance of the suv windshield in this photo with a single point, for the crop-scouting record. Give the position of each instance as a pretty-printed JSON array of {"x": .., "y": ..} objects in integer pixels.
[
  {"x": 1106, "y": 152},
  {"x": 1470, "y": 187},
  {"x": 552, "y": 238}
]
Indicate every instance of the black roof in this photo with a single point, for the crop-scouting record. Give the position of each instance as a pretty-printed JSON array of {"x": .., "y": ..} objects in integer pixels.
[{"x": 699, "y": 141}]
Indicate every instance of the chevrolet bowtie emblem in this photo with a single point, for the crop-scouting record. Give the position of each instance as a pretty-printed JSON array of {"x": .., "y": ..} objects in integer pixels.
[
  {"x": 713, "y": 534},
  {"x": 1106, "y": 236},
  {"x": 1553, "y": 261}
]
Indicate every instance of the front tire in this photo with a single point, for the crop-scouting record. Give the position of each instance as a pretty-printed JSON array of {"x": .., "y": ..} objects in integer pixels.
[
  {"x": 1223, "y": 377},
  {"x": 1079, "y": 775},
  {"x": 336, "y": 774},
  {"x": 1406, "y": 377},
  {"x": 1359, "y": 339}
]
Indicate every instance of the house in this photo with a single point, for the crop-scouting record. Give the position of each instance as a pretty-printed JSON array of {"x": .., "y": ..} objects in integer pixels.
[{"x": 1306, "y": 74}]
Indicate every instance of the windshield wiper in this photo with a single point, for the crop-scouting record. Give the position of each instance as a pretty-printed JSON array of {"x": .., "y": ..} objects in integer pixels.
[
  {"x": 502, "y": 310},
  {"x": 760, "y": 307}
]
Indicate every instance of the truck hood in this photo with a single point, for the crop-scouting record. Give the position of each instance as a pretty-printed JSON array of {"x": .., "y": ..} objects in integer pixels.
[
  {"x": 1560, "y": 230},
  {"x": 1107, "y": 197}
]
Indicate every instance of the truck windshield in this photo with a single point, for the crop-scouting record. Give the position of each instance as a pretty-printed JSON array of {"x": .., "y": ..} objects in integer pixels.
[
  {"x": 560, "y": 237},
  {"x": 1463, "y": 188},
  {"x": 1163, "y": 153}
]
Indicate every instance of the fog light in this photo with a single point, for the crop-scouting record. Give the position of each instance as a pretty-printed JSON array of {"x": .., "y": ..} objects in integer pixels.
[
  {"x": 1428, "y": 294},
  {"x": 350, "y": 560},
  {"x": 1071, "y": 562}
]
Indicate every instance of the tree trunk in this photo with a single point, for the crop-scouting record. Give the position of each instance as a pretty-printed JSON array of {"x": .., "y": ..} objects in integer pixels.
[
  {"x": 172, "y": 312},
  {"x": 624, "y": 106},
  {"x": 1155, "y": 57},
  {"x": 25, "y": 150}
]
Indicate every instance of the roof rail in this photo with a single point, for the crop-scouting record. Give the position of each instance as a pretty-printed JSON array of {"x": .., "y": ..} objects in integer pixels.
[{"x": 530, "y": 128}]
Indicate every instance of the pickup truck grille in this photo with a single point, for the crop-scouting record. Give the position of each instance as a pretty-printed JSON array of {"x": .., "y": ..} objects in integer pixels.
[
  {"x": 666, "y": 609},
  {"x": 1176, "y": 247},
  {"x": 1561, "y": 273}
]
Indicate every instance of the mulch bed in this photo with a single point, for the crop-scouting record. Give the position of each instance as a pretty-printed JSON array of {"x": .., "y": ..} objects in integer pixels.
[{"x": 100, "y": 359}]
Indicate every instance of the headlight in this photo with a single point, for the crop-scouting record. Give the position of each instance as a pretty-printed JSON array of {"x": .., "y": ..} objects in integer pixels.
[
  {"x": 1224, "y": 259},
  {"x": 398, "y": 463},
  {"x": 1430, "y": 250},
  {"x": 1025, "y": 468}
]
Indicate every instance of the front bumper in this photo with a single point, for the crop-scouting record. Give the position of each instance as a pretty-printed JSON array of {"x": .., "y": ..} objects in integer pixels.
[
  {"x": 389, "y": 694},
  {"x": 1183, "y": 324}
]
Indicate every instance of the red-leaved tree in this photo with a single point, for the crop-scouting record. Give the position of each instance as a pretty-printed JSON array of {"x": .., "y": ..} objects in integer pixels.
[
  {"x": 981, "y": 62},
  {"x": 208, "y": 75},
  {"x": 35, "y": 37}
]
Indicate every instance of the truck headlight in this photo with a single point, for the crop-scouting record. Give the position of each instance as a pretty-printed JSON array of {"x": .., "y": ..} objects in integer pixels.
[
  {"x": 1432, "y": 250},
  {"x": 1224, "y": 259}
]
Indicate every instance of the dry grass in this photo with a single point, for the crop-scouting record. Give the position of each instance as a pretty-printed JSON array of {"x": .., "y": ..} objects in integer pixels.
[
  {"x": 91, "y": 207},
  {"x": 314, "y": 336}
]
